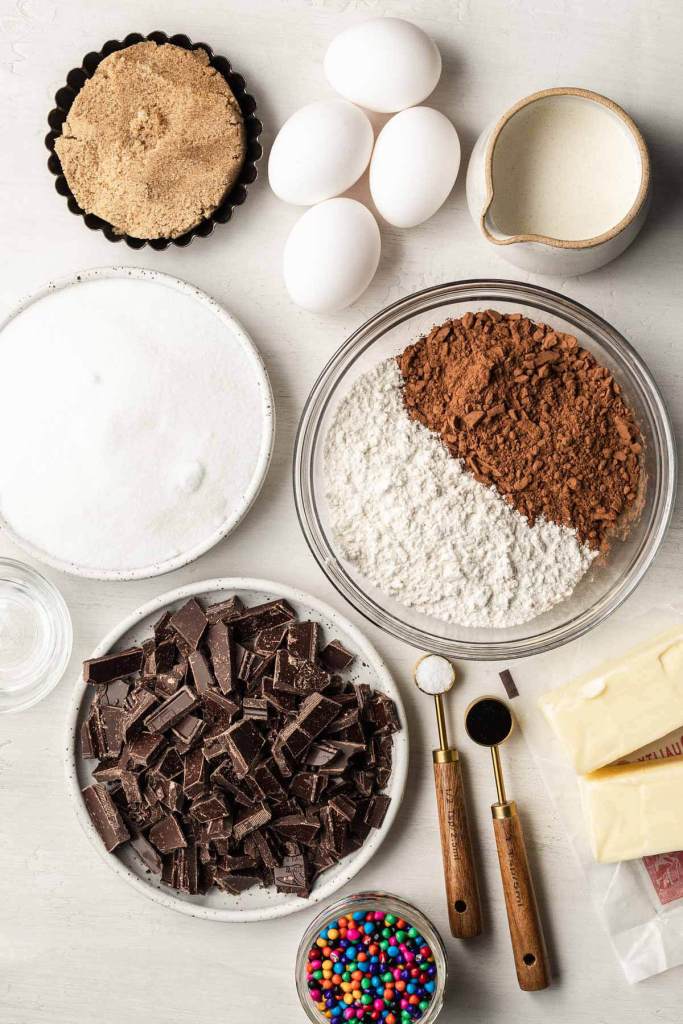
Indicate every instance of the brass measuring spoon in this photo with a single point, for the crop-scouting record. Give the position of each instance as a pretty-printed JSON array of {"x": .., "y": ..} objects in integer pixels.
[
  {"x": 435, "y": 675},
  {"x": 489, "y": 722}
]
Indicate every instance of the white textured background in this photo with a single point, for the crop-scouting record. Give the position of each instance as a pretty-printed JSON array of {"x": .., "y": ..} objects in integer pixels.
[{"x": 76, "y": 945}]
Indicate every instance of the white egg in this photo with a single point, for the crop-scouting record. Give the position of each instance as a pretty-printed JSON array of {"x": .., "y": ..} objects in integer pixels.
[
  {"x": 320, "y": 152},
  {"x": 331, "y": 255},
  {"x": 414, "y": 166},
  {"x": 383, "y": 64}
]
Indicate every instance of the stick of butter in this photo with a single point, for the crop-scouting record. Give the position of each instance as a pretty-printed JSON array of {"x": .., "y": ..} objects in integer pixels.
[
  {"x": 634, "y": 810},
  {"x": 621, "y": 706}
]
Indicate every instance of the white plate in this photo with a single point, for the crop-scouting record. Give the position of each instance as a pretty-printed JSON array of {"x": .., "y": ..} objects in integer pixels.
[
  {"x": 257, "y": 904},
  {"x": 240, "y": 340}
]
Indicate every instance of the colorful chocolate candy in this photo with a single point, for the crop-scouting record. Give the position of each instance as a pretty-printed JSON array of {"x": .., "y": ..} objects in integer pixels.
[{"x": 371, "y": 965}]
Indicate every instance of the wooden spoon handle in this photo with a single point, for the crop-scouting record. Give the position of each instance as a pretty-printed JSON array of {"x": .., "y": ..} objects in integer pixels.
[
  {"x": 464, "y": 908},
  {"x": 525, "y": 927}
]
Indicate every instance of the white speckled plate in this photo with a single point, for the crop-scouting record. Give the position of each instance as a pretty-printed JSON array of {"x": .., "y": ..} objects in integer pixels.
[
  {"x": 257, "y": 904},
  {"x": 201, "y": 309}
]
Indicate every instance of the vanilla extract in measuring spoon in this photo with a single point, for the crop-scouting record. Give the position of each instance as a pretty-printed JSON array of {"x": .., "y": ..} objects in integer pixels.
[
  {"x": 489, "y": 722},
  {"x": 435, "y": 675}
]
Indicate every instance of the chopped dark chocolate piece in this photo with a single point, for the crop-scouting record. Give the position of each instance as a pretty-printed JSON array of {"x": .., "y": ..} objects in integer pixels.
[
  {"x": 384, "y": 713},
  {"x": 188, "y": 731},
  {"x": 186, "y": 870},
  {"x": 87, "y": 746},
  {"x": 307, "y": 786},
  {"x": 282, "y": 700},
  {"x": 114, "y": 694},
  {"x": 170, "y": 793},
  {"x": 194, "y": 773},
  {"x": 316, "y": 713},
  {"x": 270, "y": 640},
  {"x": 248, "y": 664},
  {"x": 146, "y": 852},
  {"x": 113, "y": 666},
  {"x": 143, "y": 748},
  {"x": 235, "y": 884},
  {"x": 509, "y": 683},
  {"x": 320, "y": 754},
  {"x": 171, "y": 711},
  {"x": 209, "y": 807},
  {"x": 139, "y": 705},
  {"x": 292, "y": 876},
  {"x": 251, "y": 819},
  {"x": 202, "y": 677},
  {"x": 293, "y": 739},
  {"x": 260, "y": 617},
  {"x": 302, "y": 640},
  {"x": 335, "y": 829},
  {"x": 363, "y": 694},
  {"x": 298, "y": 827},
  {"x": 105, "y": 816},
  {"x": 224, "y": 611},
  {"x": 342, "y": 806},
  {"x": 244, "y": 744},
  {"x": 161, "y": 627},
  {"x": 377, "y": 810},
  {"x": 190, "y": 623},
  {"x": 364, "y": 782},
  {"x": 223, "y": 656},
  {"x": 113, "y": 723},
  {"x": 285, "y": 672},
  {"x": 256, "y": 708},
  {"x": 130, "y": 784},
  {"x": 264, "y": 778},
  {"x": 334, "y": 657},
  {"x": 167, "y": 835},
  {"x": 345, "y": 720},
  {"x": 219, "y": 709}
]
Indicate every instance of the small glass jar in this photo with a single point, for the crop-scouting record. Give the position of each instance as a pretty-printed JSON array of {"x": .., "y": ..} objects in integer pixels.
[
  {"x": 35, "y": 636},
  {"x": 372, "y": 901}
]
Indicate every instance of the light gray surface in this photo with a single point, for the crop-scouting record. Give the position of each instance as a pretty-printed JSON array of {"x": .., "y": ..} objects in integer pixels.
[{"x": 75, "y": 943}]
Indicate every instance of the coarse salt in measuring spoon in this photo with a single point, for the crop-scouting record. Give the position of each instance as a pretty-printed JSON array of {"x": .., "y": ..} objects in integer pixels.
[{"x": 434, "y": 674}]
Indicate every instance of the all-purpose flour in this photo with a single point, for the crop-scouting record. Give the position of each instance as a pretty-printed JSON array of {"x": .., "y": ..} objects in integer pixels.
[
  {"x": 132, "y": 420},
  {"x": 420, "y": 528}
]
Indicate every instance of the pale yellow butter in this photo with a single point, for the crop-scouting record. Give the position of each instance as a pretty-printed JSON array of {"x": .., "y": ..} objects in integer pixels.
[
  {"x": 622, "y": 705},
  {"x": 634, "y": 810}
]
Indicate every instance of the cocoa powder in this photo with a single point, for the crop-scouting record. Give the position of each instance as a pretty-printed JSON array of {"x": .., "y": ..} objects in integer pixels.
[{"x": 533, "y": 414}]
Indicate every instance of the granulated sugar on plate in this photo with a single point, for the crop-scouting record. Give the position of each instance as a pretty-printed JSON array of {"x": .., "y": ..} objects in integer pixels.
[
  {"x": 419, "y": 527},
  {"x": 135, "y": 419}
]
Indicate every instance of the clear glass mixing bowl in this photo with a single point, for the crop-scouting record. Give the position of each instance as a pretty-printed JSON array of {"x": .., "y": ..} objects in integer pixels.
[{"x": 605, "y": 586}]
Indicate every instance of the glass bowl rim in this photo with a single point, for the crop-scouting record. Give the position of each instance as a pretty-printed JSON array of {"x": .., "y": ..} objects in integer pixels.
[
  {"x": 61, "y": 620},
  {"x": 395, "y": 904},
  {"x": 546, "y": 300}
]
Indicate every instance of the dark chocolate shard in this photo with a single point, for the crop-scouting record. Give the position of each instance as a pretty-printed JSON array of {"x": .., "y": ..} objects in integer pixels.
[
  {"x": 209, "y": 807},
  {"x": 249, "y": 664},
  {"x": 114, "y": 694},
  {"x": 244, "y": 744},
  {"x": 161, "y": 627},
  {"x": 143, "y": 748},
  {"x": 316, "y": 713},
  {"x": 267, "y": 782},
  {"x": 270, "y": 640},
  {"x": 171, "y": 711},
  {"x": 249, "y": 820},
  {"x": 260, "y": 617},
  {"x": 320, "y": 754},
  {"x": 105, "y": 816},
  {"x": 87, "y": 746},
  {"x": 218, "y": 708},
  {"x": 307, "y": 786},
  {"x": 292, "y": 876},
  {"x": 223, "y": 656},
  {"x": 377, "y": 810},
  {"x": 190, "y": 623},
  {"x": 167, "y": 835},
  {"x": 224, "y": 611},
  {"x": 202, "y": 676},
  {"x": 334, "y": 657},
  {"x": 186, "y": 870},
  {"x": 298, "y": 827},
  {"x": 256, "y": 708},
  {"x": 236, "y": 884},
  {"x": 139, "y": 705},
  {"x": 282, "y": 701},
  {"x": 113, "y": 666},
  {"x": 188, "y": 731},
  {"x": 302, "y": 640},
  {"x": 194, "y": 773},
  {"x": 509, "y": 683},
  {"x": 147, "y": 854},
  {"x": 342, "y": 806}
]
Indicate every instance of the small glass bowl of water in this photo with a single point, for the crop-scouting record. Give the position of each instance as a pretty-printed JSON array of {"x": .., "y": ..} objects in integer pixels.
[{"x": 35, "y": 636}]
